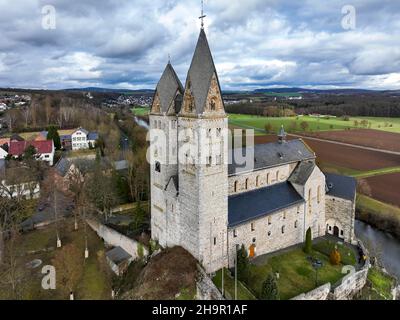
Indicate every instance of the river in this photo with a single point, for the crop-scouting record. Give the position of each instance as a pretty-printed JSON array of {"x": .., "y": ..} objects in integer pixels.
[
  {"x": 381, "y": 245},
  {"x": 142, "y": 123}
]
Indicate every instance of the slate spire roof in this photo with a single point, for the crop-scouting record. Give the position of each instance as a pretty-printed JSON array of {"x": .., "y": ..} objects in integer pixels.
[
  {"x": 200, "y": 72},
  {"x": 167, "y": 87}
]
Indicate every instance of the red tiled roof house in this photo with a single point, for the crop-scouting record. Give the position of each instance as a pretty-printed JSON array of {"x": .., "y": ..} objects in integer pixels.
[{"x": 44, "y": 149}]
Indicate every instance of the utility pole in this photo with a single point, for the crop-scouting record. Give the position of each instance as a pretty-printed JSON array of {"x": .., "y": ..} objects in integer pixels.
[
  {"x": 222, "y": 281},
  {"x": 236, "y": 275}
]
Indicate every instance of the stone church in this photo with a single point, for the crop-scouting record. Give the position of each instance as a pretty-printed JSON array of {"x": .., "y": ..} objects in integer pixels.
[{"x": 205, "y": 200}]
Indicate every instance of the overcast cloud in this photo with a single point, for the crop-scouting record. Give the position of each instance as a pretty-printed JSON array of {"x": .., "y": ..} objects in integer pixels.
[{"x": 255, "y": 43}]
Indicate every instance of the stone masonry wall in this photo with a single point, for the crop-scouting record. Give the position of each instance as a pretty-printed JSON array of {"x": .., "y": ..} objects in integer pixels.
[
  {"x": 116, "y": 239},
  {"x": 340, "y": 213},
  {"x": 267, "y": 232},
  {"x": 320, "y": 293}
]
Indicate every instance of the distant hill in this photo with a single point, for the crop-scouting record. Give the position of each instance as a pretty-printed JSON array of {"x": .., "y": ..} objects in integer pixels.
[{"x": 108, "y": 90}]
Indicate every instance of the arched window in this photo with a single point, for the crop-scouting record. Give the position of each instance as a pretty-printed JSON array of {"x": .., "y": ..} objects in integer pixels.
[
  {"x": 212, "y": 104},
  {"x": 247, "y": 183},
  {"x": 235, "y": 185}
]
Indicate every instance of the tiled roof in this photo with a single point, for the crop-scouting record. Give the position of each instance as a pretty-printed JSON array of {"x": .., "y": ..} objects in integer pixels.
[
  {"x": 200, "y": 72},
  {"x": 4, "y": 141},
  {"x": 271, "y": 154},
  {"x": 302, "y": 172},
  {"x": 167, "y": 87},
  {"x": 254, "y": 204},
  {"x": 93, "y": 136},
  {"x": 118, "y": 255},
  {"x": 340, "y": 186},
  {"x": 18, "y": 147}
]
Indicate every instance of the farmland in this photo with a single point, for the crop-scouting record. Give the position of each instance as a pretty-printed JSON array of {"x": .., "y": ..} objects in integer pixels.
[
  {"x": 364, "y": 137},
  {"x": 293, "y": 124},
  {"x": 140, "y": 111},
  {"x": 344, "y": 156},
  {"x": 385, "y": 188}
]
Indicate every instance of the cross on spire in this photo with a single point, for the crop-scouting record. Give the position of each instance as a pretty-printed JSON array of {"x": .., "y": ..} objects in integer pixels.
[{"x": 202, "y": 14}]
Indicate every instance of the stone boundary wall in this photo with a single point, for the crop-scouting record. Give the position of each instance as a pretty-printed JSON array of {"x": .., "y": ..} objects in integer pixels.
[
  {"x": 206, "y": 289},
  {"x": 320, "y": 293},
  {"x": 116, "y": 239},
  {"x": 352, "y": 283}
]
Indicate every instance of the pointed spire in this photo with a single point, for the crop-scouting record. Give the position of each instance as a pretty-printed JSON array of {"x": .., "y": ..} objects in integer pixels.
[
  {"x": 282, "y": 134},
  {"x": 201, "y": 72},
  {"x": 167, "y": 88}
]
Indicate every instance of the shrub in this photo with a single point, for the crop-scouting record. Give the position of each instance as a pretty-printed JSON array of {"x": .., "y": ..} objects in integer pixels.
[
  {"x": 242, "y": 264},
  {"x": 334, "y": 257},
  {"x": 269, "y": 290},
  {"x": 308, "y": 244}
]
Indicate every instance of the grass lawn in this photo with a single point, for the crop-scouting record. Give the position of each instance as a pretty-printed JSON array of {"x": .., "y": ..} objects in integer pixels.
[
  {"x": 296, "y": 275},
  {"x": 292, "y": 124},
  {"x": 381, "y": 283},
  {"x": 94, "y": 281},
  {"x": 140, "y": 111},
  {"x": 374, "y": 206},
  {"x": 229, "y": 286},
  {"x": 326, "y": 247}
]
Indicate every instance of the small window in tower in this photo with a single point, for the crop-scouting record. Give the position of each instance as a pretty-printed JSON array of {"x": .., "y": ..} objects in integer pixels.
[
  {"x": 269, "y": 221},
  {"x": 269, "y": 233},
  {"x": 215, "y": 241},
  {"x": 284, "y": 215},
  {"x": 212, "y": 104},
  {"x": 246, "y": 183},
  {"x": 257, "y": 181},
  {"x": 158, "y": 167},
  {"x": 277, "y": 175},
  {"x": 234, "y": 233},
  {"x": 283, "y": 229},
  {"x": 252, "y": 226},
  {"x": 267, "y": 178},
  {"x": 295, "y": 224},
  {"x": 209, "y": 132},
  {"x": 235, "y": 186},
  {"x": 341, "y": 232}
]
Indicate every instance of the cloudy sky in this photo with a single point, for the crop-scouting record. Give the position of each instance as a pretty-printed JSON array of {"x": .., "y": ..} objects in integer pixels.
[{"x": 255, "y": 43}]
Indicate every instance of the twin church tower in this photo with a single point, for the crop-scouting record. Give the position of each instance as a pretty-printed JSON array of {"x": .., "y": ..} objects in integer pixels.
[{"x": 189, "y": 171}]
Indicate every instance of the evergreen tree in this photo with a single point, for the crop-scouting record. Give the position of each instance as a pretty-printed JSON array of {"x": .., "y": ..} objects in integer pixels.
[
  {"x": 52, "y": 134},
  {"x": 308, "y": 244},
  {"x": 269, "y": 290},
  {"x": 242, "y": 264}
]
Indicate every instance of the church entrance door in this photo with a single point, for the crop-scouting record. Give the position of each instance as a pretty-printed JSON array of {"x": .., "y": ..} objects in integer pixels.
[
  {"x": 336, "y": 231},
  {"x": 252, "y": 250}
]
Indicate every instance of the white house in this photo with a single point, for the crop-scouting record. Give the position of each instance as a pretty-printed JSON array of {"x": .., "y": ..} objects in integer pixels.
[
  {"x": 83, "y": 139},
  {"x": 3, "y": 153}
]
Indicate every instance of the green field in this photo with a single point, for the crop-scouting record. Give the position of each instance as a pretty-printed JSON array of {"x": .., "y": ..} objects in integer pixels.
[
  {"x": 292, "y": 124},
  {"x": 141, "y": 111}
]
